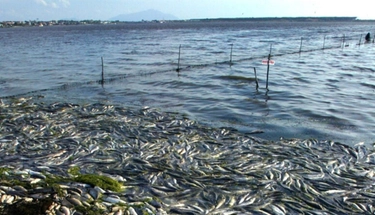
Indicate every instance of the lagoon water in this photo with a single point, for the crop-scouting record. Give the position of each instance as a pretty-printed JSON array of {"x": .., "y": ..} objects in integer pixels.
[{"x": 324, "y": 94}]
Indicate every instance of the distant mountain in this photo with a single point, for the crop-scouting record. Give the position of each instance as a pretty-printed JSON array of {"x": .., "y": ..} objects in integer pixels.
[{"x": 146, "y": 15}]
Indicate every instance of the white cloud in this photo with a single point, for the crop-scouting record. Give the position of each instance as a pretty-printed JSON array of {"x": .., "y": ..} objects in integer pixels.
[
  {"x": 54, "y": 3},
  {"x": 65, "y": 3},
  {"x": 43, "y": 2}
]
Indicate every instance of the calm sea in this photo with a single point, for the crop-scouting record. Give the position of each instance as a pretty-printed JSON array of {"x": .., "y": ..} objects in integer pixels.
[{"x": 324, "y": 94}]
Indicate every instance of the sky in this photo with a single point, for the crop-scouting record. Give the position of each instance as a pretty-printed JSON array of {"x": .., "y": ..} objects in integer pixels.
[{"x": 21, "y": 10}]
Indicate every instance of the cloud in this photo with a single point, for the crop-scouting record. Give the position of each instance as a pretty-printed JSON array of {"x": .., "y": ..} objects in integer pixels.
[
  {"x": 43, "y": 2},
  {"x": 54, "y": 3},
  {"x": 65, "y": 3}
]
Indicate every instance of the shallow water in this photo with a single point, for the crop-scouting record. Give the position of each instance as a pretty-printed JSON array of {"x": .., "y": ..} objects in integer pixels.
[{"x": 323, "y": 94}]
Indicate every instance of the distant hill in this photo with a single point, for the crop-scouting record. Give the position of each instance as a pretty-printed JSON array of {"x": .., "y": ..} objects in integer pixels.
[{"x": 146, "y": 15}]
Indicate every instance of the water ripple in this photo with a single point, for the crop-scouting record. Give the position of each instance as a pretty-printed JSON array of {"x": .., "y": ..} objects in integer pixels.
[{"x": 310, "y": 92}]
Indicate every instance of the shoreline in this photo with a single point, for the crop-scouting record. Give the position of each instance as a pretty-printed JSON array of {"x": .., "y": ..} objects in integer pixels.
[{"x": 46, "y": 23}]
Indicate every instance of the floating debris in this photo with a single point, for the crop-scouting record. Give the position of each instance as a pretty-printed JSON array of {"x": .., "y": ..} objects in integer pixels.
[{"x": 103, "y": 159}]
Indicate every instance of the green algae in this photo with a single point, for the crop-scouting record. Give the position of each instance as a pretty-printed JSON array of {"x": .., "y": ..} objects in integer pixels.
[
  {"x": 4, "y": 172},
  {"x": 39, "y": 206},
  {"x": 101, "y": 181},
  {"x": 8, "y": 178},
  {"x": 75, "y": 170}
]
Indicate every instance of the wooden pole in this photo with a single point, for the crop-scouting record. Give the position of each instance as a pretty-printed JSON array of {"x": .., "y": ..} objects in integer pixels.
[
  {"x": 231, "y": 51},
  {"x": 270, "y": 48},
  {"x": 256, "y": 79},
  {"x": 179, "y": 57},
  {"x": 324, "y": 42},
  {"x": 268, "y": 66},
  {"x": 300, "y": 46},
  {"x": 343, "y": 41},
  {"x": 360, "y": 40},
  {"x": 102, "y": 71}
]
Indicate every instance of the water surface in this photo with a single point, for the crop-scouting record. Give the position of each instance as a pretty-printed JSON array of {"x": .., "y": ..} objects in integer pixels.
[{"x": 323, "y": 94}]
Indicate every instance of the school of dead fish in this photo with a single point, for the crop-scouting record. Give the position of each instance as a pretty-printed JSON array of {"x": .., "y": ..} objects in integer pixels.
[{"x": 172, "y": 165}]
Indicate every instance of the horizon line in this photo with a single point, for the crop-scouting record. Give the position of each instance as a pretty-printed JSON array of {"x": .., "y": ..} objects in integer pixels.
[{"x": 353, "y": 18}]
